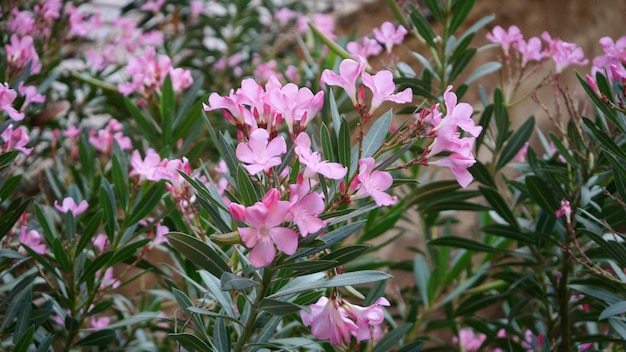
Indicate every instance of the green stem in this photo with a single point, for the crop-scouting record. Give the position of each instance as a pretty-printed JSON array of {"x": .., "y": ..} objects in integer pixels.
[
  {"x": 566, "y": 338},
  {"x": 248, "y": 329}
]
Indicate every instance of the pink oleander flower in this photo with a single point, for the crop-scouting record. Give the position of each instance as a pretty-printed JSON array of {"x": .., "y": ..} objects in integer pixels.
[
  {"x": 323, "y": 22},
  {"x": 349, "y": 73},
  {"x": 305, "y": 208},
  {"x": 146, "y": 168},
  {"x": 619, "y": 73},
  {"x": 459, "y": 162},
  {"x": 265, "y": 218},
  {"x": 374, "y": 183},
  {"x": 70, "y": 205},
  {"x": 103, "y": 139},
  {"x": 72, "y": 132},
  {"x": 565, "y": 209},
  {"x": 370, "y": 47},
  {"x": 388, "y": 35},
  {"x": 51, "y": 9},
  {"x": 259, "y": 153},
  {"x": 614, "y": 54},
  {"x": 264, "y": 71},
  {"x": 296, "y": 105},
  {"x": 169, "y": 171},
  {"x": 563, "y": 53},
  {"x": 505, "y": 38},
  {"x": 32, "y": 240},
  {"x": 196, "y": 8},
  {"x": 7, "y": 96},
  {"x": 382, "y": 87},
  {"x": 101, "y": 242},
  {"x": 152, "y": 5},
  {"x": 30, "y": 95},
  {"x": 520, "y": 156},
  {"x": 15, "y": 139},
  {"x": 530, "y": 50},
  {"x": 284, "y": 15},
  {"x": 313, "y": 161},
  {"x": 108, "y": 279},
  {"x": 337, "y": 320},
  {"x": 22, "y": 51},
  {"x": 99, "y": 323},
  {"x": 21, "y": 22},
  {"x": 292, "y": 74},
  {"x": 470, "y": 341}
]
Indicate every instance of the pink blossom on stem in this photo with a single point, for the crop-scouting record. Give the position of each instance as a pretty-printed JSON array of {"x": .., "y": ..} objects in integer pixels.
[
  {"x": 15, "y": 139},
  {"x": 103, "y": 139},
  {"x": 370, "y": 47},
  {"x": 32, "y": 240},
  {"x": 70, "y": 205},
  {"x": 336, "y": 320},
  {"x": 296, "y": 105},
  {"x": 505, "y": 38},
  {"x": 565, "y": 209},
  {"x": 21, "y": 22},
  {"x": 313, "y": 161},
  {"x": 101, "y": 242},
  {"x": 305, "y": 208},
  {"x": 349, "y": 73},
  {"x": 108, "y": 279},
  {"x": 388, "y": 35},
  {"x": 382, "y": 87},
  {"x": 614, "y": 54},
  {"x": 259, "y": 153},
  {"x": 563, "y": 53},
  {"x": 100, "y": 323},
  {"x": 22, "y": 51},
  {"x": 265, "y": 219},
  {"x": 152, "y": 5},
  {"x": 30, "y": 95},
  {"x": 284, "y": 15},
  {"x": 146, "y": 168},
  {"x": 469, "y": 339},
  {"x": 530, "y": 50},
  {"x": 7, "y": 96},
  {"x": 374, "y": 183},
  {"x": 458, "y": 163}
]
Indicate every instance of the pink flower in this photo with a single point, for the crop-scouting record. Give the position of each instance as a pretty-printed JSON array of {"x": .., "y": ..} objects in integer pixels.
[
  {"x": 292, "y": 74},
  {"x": 148, "y": 72},
  {"x": 15, "y": 139},
  {"x": 22, "y": 51},
  {"x": 389, "y": 35},
  {"x": 614, "y": 54},
  {"x": 349, "y": 72},
  {"x": 100, "y": 323},
  {"x": 296, "y": 105},
  {"x": 265, "y": 219},
  {"x": 373, "y": 183},
  {"x": 7, "y": 96},
  {"x": 284, "y": 15},
  {"x": 305, "y": 208},
  {"x": 258, "y": 154},
  {"x": 69, "y": 204},
  {"x": 505, "y": 38},
  {"x": 313, "y": 161},
  {"x": 470, "y": 341},
  {"x": 264, "y": 71},
  {"x": 21, "y": 22},
  {"x": 336, "y": 320},
  {"x": 51, "y": 9},
  {"x": 146, "y": 168},
  {"x": 563, "y": 53},
  {"x": 521, "y": 154},
  {"x": 101, "y": 242},
  {"x": 72, "y": 132},
  {"x": 458, "y": 163},
  {"x": 30, "y": 95},
  {"x": 382, "y": 87},
  {"x": 103, "y": 139},
  {"x": 196, "y": 8},
  {"x": 152, "y": 5},
  {"x": 108, "y": 279},
  {"x": 32, "y": 240},
  {"x": 370, "y": 47},
  {"x": 530, "y": 51},
  {"x": 565, "y": 209}
]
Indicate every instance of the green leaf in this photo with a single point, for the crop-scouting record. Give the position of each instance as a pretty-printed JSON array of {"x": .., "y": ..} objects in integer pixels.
[
  {"x": 185, "y": 303},
  {"x": 132, "y": 320},
  {"x": 61, "y": 256},
  {"x": 191, "y": 342},
  {"x": 45, "y": 223},
  {"x": 149, "y": 200},
  {"x": 221, "y": 338},
  {"x": 189, "y": 100},
  {"x": 145, "y": 124},
  {"x": 327, "y": 145},
  {"x": 422, "y": 278},
  {"x": 199, "y": 253},
  {"x": 498, "y": 204},
  {"x": 14, "y": 212},
  {"x": 9, "y": 186},
  {"x": 330, "y": 43},
  {"x": 344, "y": 144},
  {"x": 334, "y": 112},
  {"x": 482, "y": 174},
  {"x": 516, "y": 142},
  {"x": 541, "y": 194},
  {"x": 461, "y": 10},
  {"x": 167, "y": 108},
  {"x": 461, "y": 63},
  {"x": 347, "y": 279},
  {"x": 613, "y": 310},
  {"x": 331, "y": 238},
  {"x": 460, "y": 242},
  {"x": 230, "y": 281},
  {"x": 246, "y": 188},
  {"x": 475, "y": 303},
  {"x": 423, "y": 27},
  {"x": 619, "y": 174},
  {"x": 392, "y": 338},
  {"x": 435, "y": 9},
  {"x": 119, "y": 173},
  {"x": 7, "y": 158},
  {"x": 508, "y": 231},
  {"x": 482, "y": 71},
  {"x": 604, "y": 139},
  {"x": 562, "y": 151},
  {"x": 107, "y": 203},
  {"x": 610, "y": 113},
  {"x": 432, "y": 190},
  {"x": 99, "y": 338},
  {"x": 90, "y": 230},
  {"x": 280, "y": 308},
  {"x": 346, "y": 254},
  {"x": 308, "y": 266},
  {"x": 23, "y": 316},
  {"x": 24, "y": 340},
  {"x": 502, "y": 118}
]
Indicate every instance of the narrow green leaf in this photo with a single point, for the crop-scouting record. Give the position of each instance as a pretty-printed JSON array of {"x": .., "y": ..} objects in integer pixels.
[
  {"x": 516, "y": 142},
  {"x": 482, "y": 174},
  {"x": 191, "y": 342},
  {"x": 392, "y": 338},
  {"x": 435, "y": 9},
  {"x": 502, "y": 118},
  {"x": 9, "y": 186},
  {"x": 613, "y": 310},
  {"x": 498, "y": 204},
  {"x": 330, "y": 43},
  {"x": 460, "y": 242},
  {"x": 99, "y": 338},
  {"x": 280, "y": 308},
  {"x": 331, "y": 238},
  {"x": 119, "y": 173},
  {"x": 482, "y": 71},
  {"x": 461, "y": 63},
  {"x": 508, "y": 231},
  {"x": 230, "y": 282},
  {"x": 344, "y": 144},
  {"x": 347, "y": 279},
  {"x": 199, "y": 253},
  {"x": 60, "y": 256},
  {"x": 246, "y": 188},
  {"x": 422, "y": 278},
  {"x": 24, "y": 340},
  {"x": 308, "y": 266},
  {"x": 604, "y": 108},
  {"x": 433, "y": 190},
  {"x": 346, "y": 254},
  {"x": 461, "y": 10},
  {"x": 541, "y": 194},
  {"x": 604, "y": 139},
  {"x": 90, "y": 230},
  {"x": 221, "y": 338},
  {"x": 23, "y": 316},
  {"x": 375, "y": 137},
  {"x": 145, "y": 124},
  {"x": 167, "y": 108},
  {"x": 334, "y": 112},
  {"x": 185, "y": 303},
  {"x": 619, "y": 173},
  {"x": 107, "y": 204},
  {"x": 563, "y": 151},
  {"x": 132, "y": 320},
  {"x": 327, "y": 146},
  {"x": 423, "y": 27},
  {"x": 149, "y": 200}
]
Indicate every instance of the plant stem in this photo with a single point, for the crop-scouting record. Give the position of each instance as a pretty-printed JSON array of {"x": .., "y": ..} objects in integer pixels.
[
  {"x": 248, "y": 329},
  {"x": 566, "y": 338}
]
